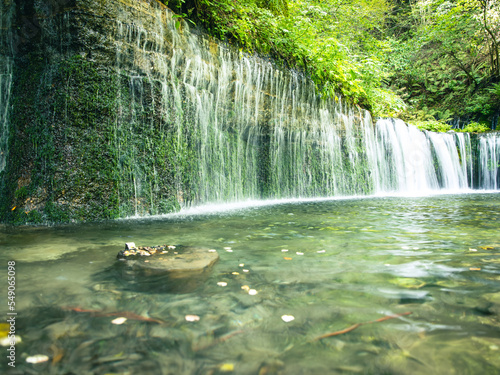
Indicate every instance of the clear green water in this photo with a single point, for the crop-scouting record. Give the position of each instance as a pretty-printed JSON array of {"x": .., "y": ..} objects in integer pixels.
[{"x": 382, "y": 256}]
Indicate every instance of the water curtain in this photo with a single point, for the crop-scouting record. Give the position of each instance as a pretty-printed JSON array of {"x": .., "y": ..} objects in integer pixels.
[
  {"x": 251, "y": 130},
  {"x": 187, "y": 120}
]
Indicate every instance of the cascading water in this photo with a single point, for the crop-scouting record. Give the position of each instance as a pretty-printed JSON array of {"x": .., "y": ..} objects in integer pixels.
[
  {"x": 248, "y": 130},
  {"x": 412, "y": 161},
  {"x": 403, "y": 159},
  {"x": 181, "y": 119},
  {"x": 489, "y": 161},
  {"x": 6, "y": 65},
  {"x": 244, "y": 129}
]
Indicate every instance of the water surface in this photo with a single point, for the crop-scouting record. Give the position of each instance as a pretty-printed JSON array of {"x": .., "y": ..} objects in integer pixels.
[{"x": 348, "y": 261}]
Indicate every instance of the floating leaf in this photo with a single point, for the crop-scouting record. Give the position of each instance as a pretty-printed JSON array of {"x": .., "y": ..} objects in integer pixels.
[
  {"x": 38, "y": 358},
  {"x": 4, "y": 329},
  {"x": 192, "y": 318},
  {"x": 287, "y": 318},
  {"x": 226, "y": 367},
  {"x": 8, "y": 341},
  {"x": 119, "y": 320}
]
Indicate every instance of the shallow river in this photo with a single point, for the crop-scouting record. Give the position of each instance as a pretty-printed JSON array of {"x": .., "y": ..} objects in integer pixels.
[{"x": 428, "y": 268}]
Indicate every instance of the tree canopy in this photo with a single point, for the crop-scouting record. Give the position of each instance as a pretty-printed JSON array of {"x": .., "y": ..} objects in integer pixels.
[{"x": 416, "y": 59}]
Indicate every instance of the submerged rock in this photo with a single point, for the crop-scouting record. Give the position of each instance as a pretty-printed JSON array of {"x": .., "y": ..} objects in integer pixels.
[
  {"x": 167, "y": 258},
  {"x": 166, "y": 267}
]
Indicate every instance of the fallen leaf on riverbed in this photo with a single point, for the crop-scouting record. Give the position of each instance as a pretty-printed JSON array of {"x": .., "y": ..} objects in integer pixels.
[
  {"x": 4, "y": 329},
  {"x": 226, "y": 367},
  {"x": 192, "y": 318},
  {"x": 38, "y": 358},
  {"x": 7, "y": 341},
  {"x": 287, "y": 318},
  {"x": 58, "y": 354},
  {"x": 119, "y": 320},
  {"x": 287, "y": 258}
]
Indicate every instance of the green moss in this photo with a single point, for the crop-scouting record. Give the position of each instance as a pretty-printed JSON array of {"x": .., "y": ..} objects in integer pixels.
[
  {"x": 61, "y": 142},
  {"x": 21, "y": 194}
]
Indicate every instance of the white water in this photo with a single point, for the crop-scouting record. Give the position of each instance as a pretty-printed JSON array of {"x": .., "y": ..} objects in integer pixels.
[
  {"x": 403, "y": 159},
  {"x": 6, "y": 65},
  {"x": 245, "y": 130},
  {"x": 248, "y": 129},
  {"x": 239, "y": 129},
  {"x": 412, "y": 161},
  {"x": 489, "y": 160}
]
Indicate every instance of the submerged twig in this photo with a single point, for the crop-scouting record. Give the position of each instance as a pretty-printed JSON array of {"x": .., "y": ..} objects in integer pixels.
[
  {"x": 218, "y": 340},
  {"x": 354, "y": 326},
  {"x": 125, "y": 314}
]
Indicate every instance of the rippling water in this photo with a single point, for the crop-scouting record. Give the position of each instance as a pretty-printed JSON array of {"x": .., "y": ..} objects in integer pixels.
[{"x": 348, "y": 261}]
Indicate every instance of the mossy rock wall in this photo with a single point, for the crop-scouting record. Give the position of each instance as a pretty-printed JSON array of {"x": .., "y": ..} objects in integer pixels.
[
  {"x": 76, "y": 129},
  {"x": 118, "y": 109}
]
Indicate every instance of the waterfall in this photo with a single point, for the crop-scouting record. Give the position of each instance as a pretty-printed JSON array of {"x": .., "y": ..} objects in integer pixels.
[
  {"x": 133, "y": 113},
  {"x": 403, "y": 159},
  {"x": 489, "y": 161},
  {"x": 236, "y": 125},
  {"x": 408, "y": 160},
  {"x": 239, "y": 128},
  {"x": 6, "y": 66}
]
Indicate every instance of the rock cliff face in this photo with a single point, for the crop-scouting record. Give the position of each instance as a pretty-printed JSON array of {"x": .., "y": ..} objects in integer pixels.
[{"x": 113, "y": 108}]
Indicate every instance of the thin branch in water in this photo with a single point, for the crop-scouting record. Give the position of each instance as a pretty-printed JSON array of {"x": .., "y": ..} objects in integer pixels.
[{"x": 354, "y": 326}]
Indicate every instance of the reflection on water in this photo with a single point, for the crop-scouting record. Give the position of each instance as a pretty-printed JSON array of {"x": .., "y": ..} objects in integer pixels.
[{"x": 327, "y": 264}]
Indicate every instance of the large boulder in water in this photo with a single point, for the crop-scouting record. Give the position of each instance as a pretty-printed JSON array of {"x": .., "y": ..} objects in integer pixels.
[{"x": 167, "y": 267}]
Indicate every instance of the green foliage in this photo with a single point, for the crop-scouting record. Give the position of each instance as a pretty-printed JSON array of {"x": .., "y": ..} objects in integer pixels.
[
  {"x": 442, "y": 127},
  {"x": 340, "y": 44},
  {"x": 420, "y": 60},
  {"x": 433, "y": 126},
  {"x": 475, "y": 127},
  {"x": 21, "y": 193},
  {"x": 444, "y": 59}
]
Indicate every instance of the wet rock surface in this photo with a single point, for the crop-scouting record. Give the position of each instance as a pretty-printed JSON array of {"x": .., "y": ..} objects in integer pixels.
[{"x": 167, "y": 268}]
